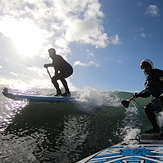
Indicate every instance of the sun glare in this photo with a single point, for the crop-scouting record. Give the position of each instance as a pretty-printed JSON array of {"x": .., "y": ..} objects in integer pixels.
[{"x": 27, "y": 37}]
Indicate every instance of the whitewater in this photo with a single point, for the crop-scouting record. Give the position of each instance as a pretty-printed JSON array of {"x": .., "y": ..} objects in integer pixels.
[{"x": 66, "y": 132}]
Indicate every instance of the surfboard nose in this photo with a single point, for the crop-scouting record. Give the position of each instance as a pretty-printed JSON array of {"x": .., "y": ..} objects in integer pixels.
[{"x": 5, "y": 89}]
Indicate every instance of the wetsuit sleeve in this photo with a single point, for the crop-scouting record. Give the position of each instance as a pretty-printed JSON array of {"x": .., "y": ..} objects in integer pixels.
[
  {"x": 144, "y": 94},
  {"x": 55, "y": 67},
  {"x": 160, "y": 77},
  {"x": 56, "y": 70}
]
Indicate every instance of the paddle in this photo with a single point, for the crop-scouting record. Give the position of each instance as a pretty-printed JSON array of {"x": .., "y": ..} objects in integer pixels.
[
  {"x": 48, "y": 73},
  {"x": 125, "y": 103}
]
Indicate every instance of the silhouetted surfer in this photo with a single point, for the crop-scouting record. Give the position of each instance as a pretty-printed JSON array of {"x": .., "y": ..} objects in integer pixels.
[{"x": 62, "y": 70}]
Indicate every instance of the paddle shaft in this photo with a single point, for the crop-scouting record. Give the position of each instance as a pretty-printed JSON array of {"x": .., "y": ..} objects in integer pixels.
[
  {"x": 131, "y": 99},
  {"x": 134, "y": 97},
  {"x": 48, "y": 73},
  {"x": 125, "y": 103}
]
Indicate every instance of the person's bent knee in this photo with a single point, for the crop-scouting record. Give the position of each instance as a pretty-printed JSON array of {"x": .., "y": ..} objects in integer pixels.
[
  {"x": 54, "y": 79},
  {"x": 148, "y": 108}
]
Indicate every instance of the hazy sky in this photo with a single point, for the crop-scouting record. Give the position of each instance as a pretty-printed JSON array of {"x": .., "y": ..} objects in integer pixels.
[{"x": 104, "y": 41}]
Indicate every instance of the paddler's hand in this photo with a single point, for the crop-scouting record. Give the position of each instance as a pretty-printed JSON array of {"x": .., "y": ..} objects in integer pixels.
[
  {"x": 46, "y": 65},
  {"x": 136, "y": 95}
]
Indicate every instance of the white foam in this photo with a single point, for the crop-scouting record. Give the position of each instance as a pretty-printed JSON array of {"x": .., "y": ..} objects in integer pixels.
[
  {"x": 90, "y": 99},
  {"x": 132, "y": 124}
]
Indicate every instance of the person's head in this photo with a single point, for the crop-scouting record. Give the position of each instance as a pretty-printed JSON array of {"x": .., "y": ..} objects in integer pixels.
[
  {"x": 146, "y": 65},
  {"x": 52, "y": 52}
]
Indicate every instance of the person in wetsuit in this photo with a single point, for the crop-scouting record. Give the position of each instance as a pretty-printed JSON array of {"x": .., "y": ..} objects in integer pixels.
[
  {"x": 153, "y": 87},
  {"x": 62, "y": 70}
]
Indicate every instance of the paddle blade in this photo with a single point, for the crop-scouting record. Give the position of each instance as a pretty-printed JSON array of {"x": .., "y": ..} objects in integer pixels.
[{"x": 125, "y": 103}]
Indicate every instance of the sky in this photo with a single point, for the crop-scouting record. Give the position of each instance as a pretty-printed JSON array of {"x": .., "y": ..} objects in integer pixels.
[{"x": 104, "y": 41}]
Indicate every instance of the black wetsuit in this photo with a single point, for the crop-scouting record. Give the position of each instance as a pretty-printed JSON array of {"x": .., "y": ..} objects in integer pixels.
[
  {"x": 154, "y": 87},
  {"x": 62, "y": 70}
]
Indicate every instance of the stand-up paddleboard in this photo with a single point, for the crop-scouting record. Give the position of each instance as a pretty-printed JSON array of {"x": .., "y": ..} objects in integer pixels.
[
  {"x": 150, "y": 151},
  {"x": 36, "y": 98}
]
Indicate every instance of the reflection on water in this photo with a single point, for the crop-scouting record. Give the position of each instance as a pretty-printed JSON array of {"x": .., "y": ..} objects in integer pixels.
[
  {"x": 44, "y": 132},
  {"x": 9, "y": 109},
  {"x": 60, "y": 147}
]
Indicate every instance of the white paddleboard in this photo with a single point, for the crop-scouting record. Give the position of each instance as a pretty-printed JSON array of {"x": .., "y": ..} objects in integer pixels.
[
  {"x": 150, "y": 151},
  {"x": 37, "y": 98}
]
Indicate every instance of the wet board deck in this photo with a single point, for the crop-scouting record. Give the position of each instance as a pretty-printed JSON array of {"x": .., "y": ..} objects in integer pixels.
[
  {"x": 148, "y": 149},
  {"x": 140, "y": 153},
  {"x": 38, "y": 98}
]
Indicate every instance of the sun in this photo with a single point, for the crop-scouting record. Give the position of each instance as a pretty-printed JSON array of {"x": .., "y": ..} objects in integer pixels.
[{"x": 27, "y": 37}]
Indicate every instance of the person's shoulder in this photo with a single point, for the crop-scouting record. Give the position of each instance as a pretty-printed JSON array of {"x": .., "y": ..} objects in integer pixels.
[
  {"x": 59, "y": 56},
  {"x": 156, "y": 70}
]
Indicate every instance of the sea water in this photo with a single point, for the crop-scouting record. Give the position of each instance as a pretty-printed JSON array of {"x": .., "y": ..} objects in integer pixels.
[{"x": 66, "y": 132}]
